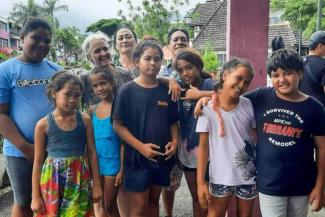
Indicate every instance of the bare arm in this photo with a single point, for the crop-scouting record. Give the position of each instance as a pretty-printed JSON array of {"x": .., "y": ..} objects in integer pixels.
[
  {"x": 195, "y": 94},
  {"x": 40, "y": 140},
  {"x": 119, "y": 176},
  {"x": 92, "y": 157},
  {"x": 9, "y": 131},
  {"x": 174, "y": 87},
  {"x": 171, "y": 147},
  {"x": 202, "y": 160},
  {"x": 147, "y": 150},
  {"x": 316, "y": 196}
]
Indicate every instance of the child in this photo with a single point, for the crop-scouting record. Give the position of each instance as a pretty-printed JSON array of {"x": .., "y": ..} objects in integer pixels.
[
  {"x": 225, "y": 130},
  {"x": 61, "y": 182},
  {"x": 290, "y": 127},
  {"x": 108, "y": 145},
  {"x": 23, "y": 102},
  {"x": 189, "y": 64},
  {"x": 146, "y": 119}
]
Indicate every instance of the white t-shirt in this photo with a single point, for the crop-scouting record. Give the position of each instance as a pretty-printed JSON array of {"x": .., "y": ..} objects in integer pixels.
[{"x": 231, "y": 158}]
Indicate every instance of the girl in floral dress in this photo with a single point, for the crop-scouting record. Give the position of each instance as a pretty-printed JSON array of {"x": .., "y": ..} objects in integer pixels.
[{"x": 62, "y": 182}]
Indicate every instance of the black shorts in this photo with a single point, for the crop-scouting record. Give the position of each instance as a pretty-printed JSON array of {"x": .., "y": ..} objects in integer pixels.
[{"x": 139, "y": 180}]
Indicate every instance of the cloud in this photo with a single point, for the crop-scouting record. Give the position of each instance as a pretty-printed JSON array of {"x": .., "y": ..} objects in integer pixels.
[{"x": 82, "y": 13}]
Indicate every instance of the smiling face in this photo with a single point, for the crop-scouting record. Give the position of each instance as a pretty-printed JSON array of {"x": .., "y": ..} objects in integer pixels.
[
  {"x": 236, "y": 82},
  {"x": 67, "y": 98},
  {"x": 188, "y": 72},
  {"x": 99, "y": 52},
  {"x": 36, "y": 45},
  {"x": 149, "y": 62},
  {"x": 125, "y": 41},
  {"x": 177, "y": 40},
  {"x": 285, "y": 82},
  {"x": 102, "y": 88}
]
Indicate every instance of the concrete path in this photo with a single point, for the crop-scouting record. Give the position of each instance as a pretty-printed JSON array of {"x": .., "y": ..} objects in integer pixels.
[{"x": 182, "y": 207}]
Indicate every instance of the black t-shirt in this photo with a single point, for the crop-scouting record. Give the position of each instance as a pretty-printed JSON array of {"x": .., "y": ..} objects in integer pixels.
[
  {"x": 285, "y": 147},
  {"x": 148, "y": 114},
  {"x": 313, "y": 80}
]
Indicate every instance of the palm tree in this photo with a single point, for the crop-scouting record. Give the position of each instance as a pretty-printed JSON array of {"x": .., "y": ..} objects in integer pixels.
[
  {"x": 21, "y": 13},
  {"x": 50, "y": 7}
]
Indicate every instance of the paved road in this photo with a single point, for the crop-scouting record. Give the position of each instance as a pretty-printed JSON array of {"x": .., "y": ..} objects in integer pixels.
[{"x": 182, "y": 206}]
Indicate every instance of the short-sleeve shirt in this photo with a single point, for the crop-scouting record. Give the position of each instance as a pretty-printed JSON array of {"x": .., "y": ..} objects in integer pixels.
[
  {"x": 169, "y": 72},
  {"x": 23, "y": 87},
  {"x": 231, "y": 156},
  {"x": 285, "y": 147},
  {"x": 313, "y": 81},
  {"x": 148, "y": 114},
  {"x": 187, "y": 150}
]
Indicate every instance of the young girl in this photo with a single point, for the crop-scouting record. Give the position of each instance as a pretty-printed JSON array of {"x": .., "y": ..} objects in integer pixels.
[
  {"x": 108, "y": 145},
  {"x": 61, "y": 183},
  {"x": 225, "y": 138},
  {"x": 145, "y": 118},
  {"x": 189, "y": 64}
]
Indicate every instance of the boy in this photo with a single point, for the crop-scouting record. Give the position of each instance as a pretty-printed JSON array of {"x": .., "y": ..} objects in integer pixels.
[{"x": 290, "y": 126}]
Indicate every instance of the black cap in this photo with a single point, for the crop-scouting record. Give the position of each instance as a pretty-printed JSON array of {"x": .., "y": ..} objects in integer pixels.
[{"x": 316, "y": 38}]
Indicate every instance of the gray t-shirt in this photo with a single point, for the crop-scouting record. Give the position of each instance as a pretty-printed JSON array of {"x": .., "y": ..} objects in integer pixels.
[{"x": 231, "y": 156}]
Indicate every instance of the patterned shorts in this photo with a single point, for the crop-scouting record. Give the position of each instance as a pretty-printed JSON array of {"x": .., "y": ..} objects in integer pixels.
[
  {"x": 175, "y": 178},
  {"x": 245, "y": 192}
]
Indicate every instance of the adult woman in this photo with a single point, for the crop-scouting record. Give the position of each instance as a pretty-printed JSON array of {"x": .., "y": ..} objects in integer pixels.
[
  {"x": 125, "y": 40},
  {"x": 96, "y": 50}
]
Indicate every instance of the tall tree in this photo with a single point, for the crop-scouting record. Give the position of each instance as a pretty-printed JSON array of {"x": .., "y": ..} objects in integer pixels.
[
  {"x": 22, "y": 12},
  {"x": 50, "y": 7},
  {"x": 300, "y": 13},
  {"x": 152, "y": 17},
  {"x": 108, "y": 26},
  {"x": 68, "y": 43}
]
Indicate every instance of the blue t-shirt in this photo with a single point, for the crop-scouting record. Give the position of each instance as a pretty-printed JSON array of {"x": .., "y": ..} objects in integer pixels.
[
  {"x": 285, "y": 147},
  {"x": 148, "y": 114},
  {"x": 23, "y": 87}
]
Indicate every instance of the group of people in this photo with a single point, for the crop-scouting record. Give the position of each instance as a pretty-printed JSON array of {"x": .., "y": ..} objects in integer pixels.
[{"x": 108, "y": 142}]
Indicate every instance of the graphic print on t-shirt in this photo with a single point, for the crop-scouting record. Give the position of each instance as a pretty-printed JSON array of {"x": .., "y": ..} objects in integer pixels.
[
  {"x": 245, "y": 160},
  {"x": 282, "y": 127}
]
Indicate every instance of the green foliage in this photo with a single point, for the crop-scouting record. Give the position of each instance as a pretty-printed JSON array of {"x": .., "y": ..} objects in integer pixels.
[
  {"x": 108, "y": 26},
  {"x": 68, "y": 43},
  {"x": 210, "y": 59},
  {"x": 86, "y": 65},
  {"x": 22, "y": 12},
  {"x": 152, "y": 17},
  {"x": 3, "y": 57},
  {"x": 300, "y": 13}
]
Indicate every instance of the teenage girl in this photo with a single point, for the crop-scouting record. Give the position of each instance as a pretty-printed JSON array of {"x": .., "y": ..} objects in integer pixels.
[
  {"x": 62, "y": 181},
  {"x": 108, "y": 144},
  {"x": 145, "y": 118},
  {"x": 189, "y": 64},
  {"x": 225, "y": 130}
]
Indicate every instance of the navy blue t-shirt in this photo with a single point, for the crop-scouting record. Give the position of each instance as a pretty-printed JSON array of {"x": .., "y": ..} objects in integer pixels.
[
  {"x": 186, "y": 116},
  {"x": 313, "y": 80},
  {"x": 285, "y": 147},
  {"x": 148, "y": 114}
]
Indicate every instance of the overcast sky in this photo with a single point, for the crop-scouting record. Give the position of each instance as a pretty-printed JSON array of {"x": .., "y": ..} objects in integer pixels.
[{"x": 82, "y": 13}]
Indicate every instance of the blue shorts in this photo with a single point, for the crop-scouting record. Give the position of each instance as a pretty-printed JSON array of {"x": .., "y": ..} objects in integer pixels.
[
  {"x": 139, "y": 180},
  {"x": 19, "y": 170},
  {"x": 245, "y": 192}
]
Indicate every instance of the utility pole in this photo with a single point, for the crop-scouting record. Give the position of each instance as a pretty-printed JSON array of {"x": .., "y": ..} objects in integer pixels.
[{"x": 319, "y": 15}]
